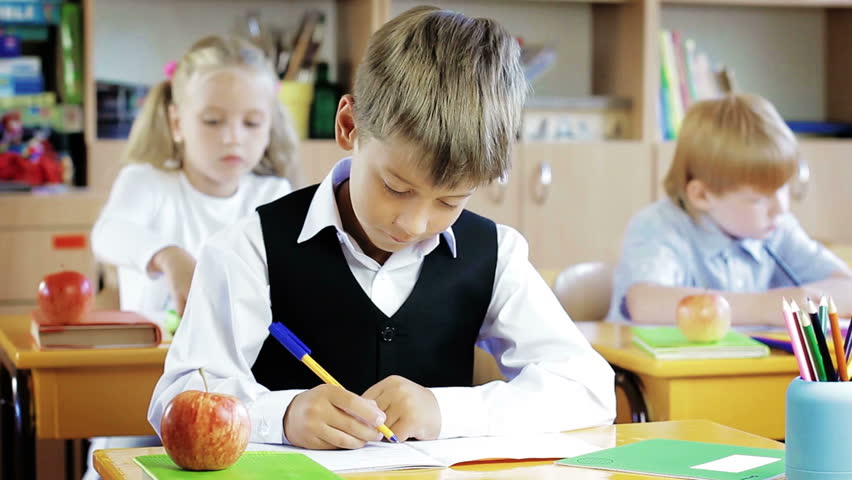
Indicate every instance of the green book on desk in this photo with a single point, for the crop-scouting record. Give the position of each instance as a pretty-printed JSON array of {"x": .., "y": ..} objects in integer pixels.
[
  {"x": 669, "y": 343},
  {"x": 683, "y": 459},
  {"x": 251, "y": 465}
]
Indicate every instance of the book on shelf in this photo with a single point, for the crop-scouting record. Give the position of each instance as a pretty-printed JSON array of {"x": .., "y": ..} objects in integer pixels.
[
  {"x": 687, "y": 75},
  {"x": 669, "y": 343},
  {"x": 32, "y": 12},
  {"x": 101, "y": 329}
]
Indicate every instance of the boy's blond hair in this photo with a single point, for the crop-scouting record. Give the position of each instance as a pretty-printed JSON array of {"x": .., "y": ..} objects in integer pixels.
[
  {"x": 737, "y": 140},
  {"x": 449, "y": 85},
  {"x": 151, "y": 139}
]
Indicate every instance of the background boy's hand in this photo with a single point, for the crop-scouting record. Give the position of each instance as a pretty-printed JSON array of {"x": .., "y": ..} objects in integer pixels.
[
  {"x": 177, "y": 265},
  {"x": 412, "y": 410},
  {"x": 327, "y": 417}
]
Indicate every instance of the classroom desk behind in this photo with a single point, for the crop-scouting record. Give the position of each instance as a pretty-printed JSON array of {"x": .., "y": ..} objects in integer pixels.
[
  {"x": 744, "y": 393},
  {"x": 67, "y": 394},
  {"x": 117, "y": 464}
]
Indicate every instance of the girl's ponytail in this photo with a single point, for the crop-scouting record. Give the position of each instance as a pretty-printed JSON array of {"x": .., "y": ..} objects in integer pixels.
[{"x": 151, "y": 138}]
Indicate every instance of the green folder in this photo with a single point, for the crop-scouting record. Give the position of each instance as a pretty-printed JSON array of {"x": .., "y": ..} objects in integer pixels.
[
  {"x": 669, "y": 343},
  {"x": 683, "y": 459},
  {"x": 251, "y": 465}
]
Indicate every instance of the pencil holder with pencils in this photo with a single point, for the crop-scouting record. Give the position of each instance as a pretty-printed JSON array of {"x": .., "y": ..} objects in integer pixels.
[{"x": 819, "y": 430}]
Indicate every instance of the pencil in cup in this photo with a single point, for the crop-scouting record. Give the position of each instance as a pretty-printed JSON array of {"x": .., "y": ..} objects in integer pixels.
[
  {"x": 819, "y": 320},
  {"x": 813, "y": 346},
  {"x": 847, "y": 345},
  {"x": 837, "y": 340},
  {"x": 806, "y": 351},
  {"x": 299, "y": 350},
  {"x": 796, "y": 341}
]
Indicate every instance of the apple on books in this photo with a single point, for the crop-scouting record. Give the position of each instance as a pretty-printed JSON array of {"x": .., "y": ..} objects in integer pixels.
[
  {"x": 64, "y": 298},
  {"x": 704, "y": 317},
  {"x": 65, "y": 318},
  {"x": 205, "y": 430}
]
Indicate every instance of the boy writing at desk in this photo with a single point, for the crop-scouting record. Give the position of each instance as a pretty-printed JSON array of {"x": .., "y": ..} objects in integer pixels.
[
  {"x": 388, "y": 279},
  {"x": 726, "y": 225}
]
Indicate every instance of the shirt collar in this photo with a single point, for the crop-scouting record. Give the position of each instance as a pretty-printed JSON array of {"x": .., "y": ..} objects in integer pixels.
[
  {"x": 323, "y": 212},
  {"x": 713, "y": 241}
]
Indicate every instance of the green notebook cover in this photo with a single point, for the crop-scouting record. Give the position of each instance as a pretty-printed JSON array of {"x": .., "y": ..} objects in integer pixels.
[
  {"x": 683, "y": 459},
  {"x": 251, "y": 465},
  {"x": 669, "y": 343}
]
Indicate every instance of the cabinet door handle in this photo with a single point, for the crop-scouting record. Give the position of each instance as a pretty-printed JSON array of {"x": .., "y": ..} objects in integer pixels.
[
  {"x": 541, "y": 189},
  {"x": 497, "y": 190},
  {"x": 799, "y": 186}
]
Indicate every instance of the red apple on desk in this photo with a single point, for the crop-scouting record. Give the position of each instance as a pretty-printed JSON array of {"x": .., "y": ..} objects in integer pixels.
[
  {"x": 204, "y": 430},
  {"x": 64, "y": 297},
  {"x": 704, "y": 317}
]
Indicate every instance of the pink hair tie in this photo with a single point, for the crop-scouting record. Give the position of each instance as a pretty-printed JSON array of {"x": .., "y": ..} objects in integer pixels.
[{"x": 169, "y": 69}]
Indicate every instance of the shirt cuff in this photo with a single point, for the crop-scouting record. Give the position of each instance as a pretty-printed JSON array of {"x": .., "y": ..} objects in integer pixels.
[
  {"x": 147, "y": 245},
  {"x": 267, "y": 416},
  {"x": 463, "y": 412}
]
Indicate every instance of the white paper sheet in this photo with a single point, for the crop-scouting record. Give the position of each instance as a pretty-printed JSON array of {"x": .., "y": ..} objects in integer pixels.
[{"x": 377, "y": 456}]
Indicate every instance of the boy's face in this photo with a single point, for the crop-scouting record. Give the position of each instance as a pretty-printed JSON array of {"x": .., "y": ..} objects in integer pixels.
[
  {"x": 395, "y": 200},
  {"x": 745, "y": 212}
]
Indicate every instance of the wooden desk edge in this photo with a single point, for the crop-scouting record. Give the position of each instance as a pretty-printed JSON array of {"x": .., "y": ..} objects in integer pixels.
[{"x": 106, "y": 464}]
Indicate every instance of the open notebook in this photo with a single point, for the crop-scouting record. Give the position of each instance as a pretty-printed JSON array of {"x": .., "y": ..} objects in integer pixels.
[{"x": 377, "y": 456}]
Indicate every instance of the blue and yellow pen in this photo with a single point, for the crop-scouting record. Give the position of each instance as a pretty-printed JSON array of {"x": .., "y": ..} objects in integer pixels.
[{"x": 299, "y": 350}]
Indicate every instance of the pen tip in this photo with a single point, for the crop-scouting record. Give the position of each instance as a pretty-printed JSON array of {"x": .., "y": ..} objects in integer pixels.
[{"x": 394, "y": 439}]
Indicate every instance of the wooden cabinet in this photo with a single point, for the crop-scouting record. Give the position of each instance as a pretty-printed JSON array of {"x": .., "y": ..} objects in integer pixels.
[
  {"x": 501, "y": 201},
  {"x": 578, "y": 198},
  {"x": 316, "y": 158},
  {"x": 823, "y": 208}
]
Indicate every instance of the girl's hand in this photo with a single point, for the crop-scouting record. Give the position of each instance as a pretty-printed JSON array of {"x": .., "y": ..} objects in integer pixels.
[
  {"x": 177, "y": 265},
  {"x": 412, "y": 410}
]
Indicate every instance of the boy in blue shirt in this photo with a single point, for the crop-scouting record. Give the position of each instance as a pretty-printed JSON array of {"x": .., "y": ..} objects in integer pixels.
[
  {"x": 385, "y": 276},
  {"x": 726, "y": 226}
]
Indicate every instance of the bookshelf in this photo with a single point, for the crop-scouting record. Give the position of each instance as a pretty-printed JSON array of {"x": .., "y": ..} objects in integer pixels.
[
  {"x": 115, "y": 27},
  {"x": 798, "y": 53}
]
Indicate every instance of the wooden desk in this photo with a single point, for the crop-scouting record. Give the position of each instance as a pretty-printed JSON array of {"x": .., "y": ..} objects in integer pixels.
[
  {"x": 66, "y": 394},
  {"x": 117, "y": 464},
  {"x": 747, "y": 393}
]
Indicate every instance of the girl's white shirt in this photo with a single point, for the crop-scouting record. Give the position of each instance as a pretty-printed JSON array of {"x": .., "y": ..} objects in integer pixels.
[{"x": 150, "y": 209}]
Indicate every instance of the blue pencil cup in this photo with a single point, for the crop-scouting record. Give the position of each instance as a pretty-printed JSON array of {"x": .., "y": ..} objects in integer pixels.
[{"x": 819, "y": 430}]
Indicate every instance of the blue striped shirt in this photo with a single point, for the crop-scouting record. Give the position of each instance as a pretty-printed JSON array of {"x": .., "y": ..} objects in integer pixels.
[{"x": 663, "y": 245}]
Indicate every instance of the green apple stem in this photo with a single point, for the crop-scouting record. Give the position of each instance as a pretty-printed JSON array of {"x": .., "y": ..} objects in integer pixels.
[{"x": 203, "y": 379}]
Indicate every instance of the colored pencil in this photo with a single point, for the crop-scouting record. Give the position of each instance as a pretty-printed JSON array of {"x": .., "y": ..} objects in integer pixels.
[
  {"x": 837, "y": 339},
  {"x": 800, "y": 318},
  {"x": 820, "y": 334},
  {"x": 813, "y": 347},
  {"x": 795, "y": 340}
]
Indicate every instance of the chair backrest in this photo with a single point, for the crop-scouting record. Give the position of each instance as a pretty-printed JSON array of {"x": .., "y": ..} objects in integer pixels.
[{"x": 584, "y": 290}]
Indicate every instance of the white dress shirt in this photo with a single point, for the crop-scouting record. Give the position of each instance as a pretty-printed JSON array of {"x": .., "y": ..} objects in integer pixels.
[
  {"x": 150, "y": 209},
  {"x": 556, "y": 380}
]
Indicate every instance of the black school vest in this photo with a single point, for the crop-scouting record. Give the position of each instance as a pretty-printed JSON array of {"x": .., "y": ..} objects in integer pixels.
[{"x": 429, "y": 340}]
